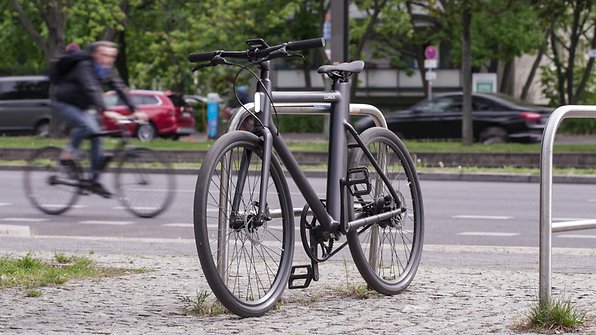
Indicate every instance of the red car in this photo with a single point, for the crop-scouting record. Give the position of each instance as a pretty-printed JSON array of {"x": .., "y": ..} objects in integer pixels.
[{"x": 167, "y": 116}]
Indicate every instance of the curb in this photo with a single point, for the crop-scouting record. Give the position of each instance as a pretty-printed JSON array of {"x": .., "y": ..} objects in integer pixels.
[{"x": 430, "y": 176}]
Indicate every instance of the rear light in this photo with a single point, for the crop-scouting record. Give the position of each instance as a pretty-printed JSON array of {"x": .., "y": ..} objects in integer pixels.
[{"x": 531, "y": 116}]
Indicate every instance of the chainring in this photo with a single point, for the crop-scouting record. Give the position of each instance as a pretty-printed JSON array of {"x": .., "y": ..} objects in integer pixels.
[{"x": 313, "y": 239}]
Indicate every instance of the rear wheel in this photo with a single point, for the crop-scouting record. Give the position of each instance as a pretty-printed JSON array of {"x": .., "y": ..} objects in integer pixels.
[
  {"x": 145, "y": 183},
  {"x": 50, "y": 186},
  {"x": 246, "y": 260},
  {"x": 387, "y": 253},
  {"x": 492, "y": 135}
]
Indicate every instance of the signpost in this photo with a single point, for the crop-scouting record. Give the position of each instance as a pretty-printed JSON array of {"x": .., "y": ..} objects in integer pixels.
[{"x": 430, "y": 63}]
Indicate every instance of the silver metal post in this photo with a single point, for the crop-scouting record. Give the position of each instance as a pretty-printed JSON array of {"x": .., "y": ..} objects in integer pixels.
[{"x": 546, "y": 180}]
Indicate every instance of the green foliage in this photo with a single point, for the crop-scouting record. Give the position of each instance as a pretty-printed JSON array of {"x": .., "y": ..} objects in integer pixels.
[
  {"x": 299, "y": 123},
  {"x": 557, "y": 315},
  {"x": 88, "y": 20},
  {"x": 501, "y": 30},
  {"x": 199, "y": 306},
  {"x": 20, "y": 56}
]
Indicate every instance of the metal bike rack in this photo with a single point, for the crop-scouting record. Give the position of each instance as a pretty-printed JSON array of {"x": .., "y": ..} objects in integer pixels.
[
  {"x": 300, "y": 109},
  {"x": 307, "y": 109},
  {"x": 547, "y": 227}
]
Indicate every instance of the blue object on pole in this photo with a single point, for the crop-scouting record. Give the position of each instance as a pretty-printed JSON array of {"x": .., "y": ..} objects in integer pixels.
[{"x": 212, "y": 114}]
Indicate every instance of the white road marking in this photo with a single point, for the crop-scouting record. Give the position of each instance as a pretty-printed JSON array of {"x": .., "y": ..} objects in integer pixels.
[
  {"x": 482, "y": 217},
  {"x": 178, "y": 225},
  {"x": 5, "y": 204},
  {"x": 25, "y": 219},
  {"x": 11, "y": 230},
  {"x": 474, "y": 233},
  {"x": 60, "y": 206},
  {"x": 113, "y": 223},
  {"x": 576, "y": 236}
]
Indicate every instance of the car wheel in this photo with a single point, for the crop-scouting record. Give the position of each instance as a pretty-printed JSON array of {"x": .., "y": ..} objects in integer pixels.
[
  {"x": 146, "y": 132},
  {"x": 492, "y": 135},
  {"x": 42, "y": 129}
]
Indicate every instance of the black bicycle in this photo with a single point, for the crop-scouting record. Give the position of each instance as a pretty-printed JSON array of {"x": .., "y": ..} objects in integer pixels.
[
  {"x": 144, "y": 181},
  {"x": 243, "y": 214}
]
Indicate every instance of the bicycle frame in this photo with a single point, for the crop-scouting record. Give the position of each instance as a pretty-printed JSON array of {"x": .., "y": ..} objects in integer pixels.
[{"x": 331, "y": 215}]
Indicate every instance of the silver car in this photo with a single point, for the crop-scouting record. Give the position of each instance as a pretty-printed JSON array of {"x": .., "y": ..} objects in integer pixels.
[{"x": 25, "y": 105}]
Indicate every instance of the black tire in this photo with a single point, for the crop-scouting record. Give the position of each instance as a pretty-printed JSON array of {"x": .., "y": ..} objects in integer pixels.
[
  {"x": 391, "y": 267},
  {"x": 256, "y": 263},
  {"x": 145, "y": 183},
  {"x": 493, "y": 135},
  {"x": 146, "y": 131},
  {"x": 42, "y": 129},
  {"x": 48, "y": 185}
]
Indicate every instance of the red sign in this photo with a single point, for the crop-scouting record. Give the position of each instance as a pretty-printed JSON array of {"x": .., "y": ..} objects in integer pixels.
[{"x": 431, "y": 52}]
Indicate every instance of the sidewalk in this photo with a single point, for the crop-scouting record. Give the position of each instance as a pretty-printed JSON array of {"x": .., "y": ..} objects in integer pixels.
[{"x": 458, "y": 290}]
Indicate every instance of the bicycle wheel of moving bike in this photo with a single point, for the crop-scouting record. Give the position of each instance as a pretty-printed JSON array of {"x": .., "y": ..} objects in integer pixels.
[
  {"x": 386, "y": 253},
  {"x": 246, "y": 260},
  {"x": 50, "y": 186},
  {"x": 145, "y": 183}
]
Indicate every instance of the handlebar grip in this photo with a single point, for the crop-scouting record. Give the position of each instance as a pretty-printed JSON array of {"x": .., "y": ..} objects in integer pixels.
[
  {"x": 201, "y": 56},
  {"x": 305, "y": 44}
]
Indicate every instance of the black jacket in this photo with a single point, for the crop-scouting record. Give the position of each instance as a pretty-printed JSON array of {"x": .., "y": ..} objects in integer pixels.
[{"x": 81, "y": 87}]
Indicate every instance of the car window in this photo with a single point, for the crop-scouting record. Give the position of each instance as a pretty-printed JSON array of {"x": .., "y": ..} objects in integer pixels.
[
  {"x": 482, "y": 104},
  {"x": 439, "y": 105},
  {"x": 144, "y": 100},
  {"x": 23, "y": 89},
  {"x": 177, "y": 100},
  {"x": 115, "y": 100},
  {"x": 112, "y": 100}
]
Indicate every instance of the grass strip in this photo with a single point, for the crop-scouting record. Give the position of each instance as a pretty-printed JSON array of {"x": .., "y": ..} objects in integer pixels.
[
  {"x": 31, "y": 273},
  {"x": 310, "y": 146}
]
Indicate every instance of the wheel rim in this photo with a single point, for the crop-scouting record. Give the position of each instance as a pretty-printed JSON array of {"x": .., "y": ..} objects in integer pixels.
[
  {"x": 146, "y": 132},
  {"x": 43, "y": 130}
]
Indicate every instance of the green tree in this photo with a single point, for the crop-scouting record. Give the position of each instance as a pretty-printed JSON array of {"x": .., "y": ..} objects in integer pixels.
[{"x": 571, "y": 75}]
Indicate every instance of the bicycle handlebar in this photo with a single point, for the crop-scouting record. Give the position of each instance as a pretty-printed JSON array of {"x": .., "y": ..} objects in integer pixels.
[{"x": 257, "y": 52}]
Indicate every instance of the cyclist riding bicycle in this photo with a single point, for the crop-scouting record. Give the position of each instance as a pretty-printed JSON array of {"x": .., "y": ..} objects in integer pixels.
[{"x": 76, "y": 94}]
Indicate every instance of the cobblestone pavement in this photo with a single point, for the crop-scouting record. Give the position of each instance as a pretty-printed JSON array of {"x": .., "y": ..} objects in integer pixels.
[{"x": 450, "y": 295}]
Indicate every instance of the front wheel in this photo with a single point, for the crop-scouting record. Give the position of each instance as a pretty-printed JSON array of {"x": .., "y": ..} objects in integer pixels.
[
  {"x": 145, "y": 183},
  {"x": 246, "y": 259},
  {"x": 50, "y": 186},
  {"x": 387, "y": 253}
]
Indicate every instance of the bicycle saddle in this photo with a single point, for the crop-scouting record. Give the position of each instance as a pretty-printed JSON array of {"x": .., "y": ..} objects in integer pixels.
[{"x": 352, "y": 67}]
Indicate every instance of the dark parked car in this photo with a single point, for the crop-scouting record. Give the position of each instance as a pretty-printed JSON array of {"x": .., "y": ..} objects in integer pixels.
[
  {"x": 25, "y": 105},
  {"x": 496, "y": 118},
  {"x": 169, "y": 115}
]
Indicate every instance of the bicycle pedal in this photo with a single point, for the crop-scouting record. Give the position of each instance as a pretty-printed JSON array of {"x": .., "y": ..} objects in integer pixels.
[
  {"x": 305, "y": 277},
  {"x": 358, "y": 176}
]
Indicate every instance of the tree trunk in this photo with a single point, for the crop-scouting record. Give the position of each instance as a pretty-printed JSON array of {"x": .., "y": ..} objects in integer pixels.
[
  {"x": 379, "y": 5},
  {"x": 587, "y": 71},
  {"x": 467, "y": 124},
  {"x": 558, "y": 68},
  {"x": 507, "y": 78},
  {"x": 53, "y": 13}
]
